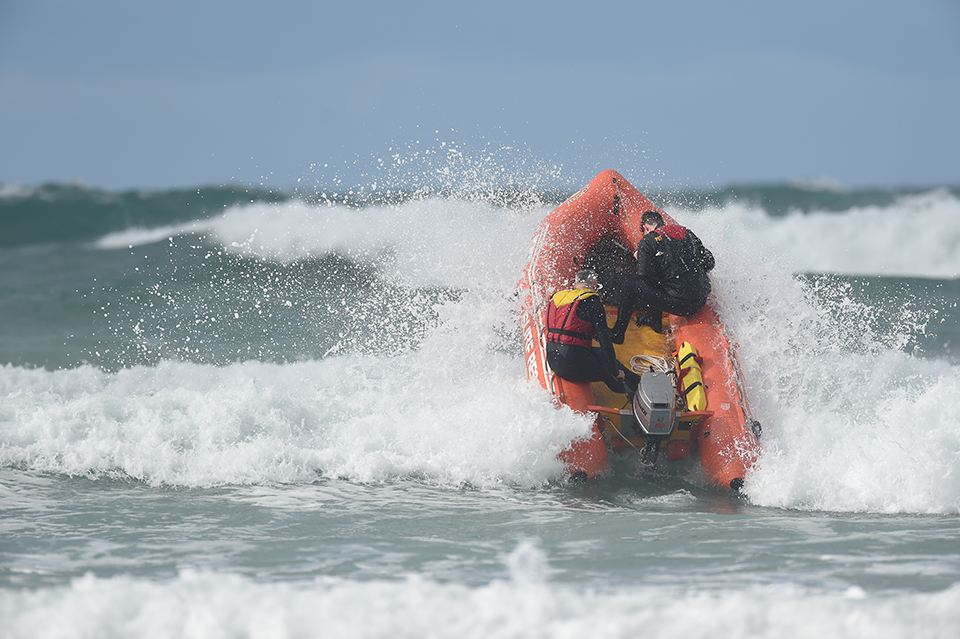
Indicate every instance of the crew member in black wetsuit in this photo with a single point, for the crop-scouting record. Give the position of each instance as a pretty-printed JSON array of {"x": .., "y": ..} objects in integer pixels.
[
  {"x": 672, "y": 266},
  {"x": 574, "y": 317}
]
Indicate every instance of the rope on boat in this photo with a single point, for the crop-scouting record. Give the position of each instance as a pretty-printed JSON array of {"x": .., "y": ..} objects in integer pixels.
[{"x": 649, "y": 363}]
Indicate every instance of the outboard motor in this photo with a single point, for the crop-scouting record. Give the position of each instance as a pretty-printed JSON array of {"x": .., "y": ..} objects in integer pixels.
[{"x": 655, "y": 410}]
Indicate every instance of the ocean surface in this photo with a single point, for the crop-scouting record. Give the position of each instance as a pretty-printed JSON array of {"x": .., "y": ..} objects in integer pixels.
[{"x": 237, "y": 412}]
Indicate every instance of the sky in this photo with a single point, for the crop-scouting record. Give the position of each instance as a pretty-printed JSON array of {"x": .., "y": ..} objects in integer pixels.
[{"x": 118, "y": 94}]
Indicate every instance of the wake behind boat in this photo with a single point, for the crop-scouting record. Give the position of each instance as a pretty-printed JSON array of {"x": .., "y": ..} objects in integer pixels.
[{"x": 691, "y": 397}]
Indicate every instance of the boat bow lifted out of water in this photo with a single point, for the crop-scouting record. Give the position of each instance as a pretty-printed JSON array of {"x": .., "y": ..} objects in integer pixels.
[{"x": 691, "y": 397}]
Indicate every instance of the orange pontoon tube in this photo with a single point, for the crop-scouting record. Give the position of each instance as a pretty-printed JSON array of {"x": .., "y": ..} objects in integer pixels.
[{"x": 722, "y": 431}]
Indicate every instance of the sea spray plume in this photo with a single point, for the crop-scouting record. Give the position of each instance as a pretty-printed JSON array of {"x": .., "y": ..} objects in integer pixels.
[
  {"x": 877, "y": 312},
  {"x": 471, "y": 170},
  {"x": 850, "y": 421},
  {"x": 229, "y": 311},
  {"x": 252, "y": 282},
  {"x": 215, "y": 306}
]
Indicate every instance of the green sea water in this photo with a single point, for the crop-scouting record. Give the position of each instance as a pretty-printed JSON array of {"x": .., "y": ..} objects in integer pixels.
[{"x": 235, "y": 412}]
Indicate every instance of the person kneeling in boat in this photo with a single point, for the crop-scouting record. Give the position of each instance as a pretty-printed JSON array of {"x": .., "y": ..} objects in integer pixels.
[
  {"x": 574, "y": 317},
  {"x": 672, "y": 267}
]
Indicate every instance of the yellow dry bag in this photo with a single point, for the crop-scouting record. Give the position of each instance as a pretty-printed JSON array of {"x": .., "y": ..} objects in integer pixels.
[{"x": 691, "y": 377}]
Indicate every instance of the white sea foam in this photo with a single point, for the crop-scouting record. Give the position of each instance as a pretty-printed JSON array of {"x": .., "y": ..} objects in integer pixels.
[
  {"x": 850, "y": 422},
  {"x": 524, "y": 604},
  {"x": 432, "y": 242},
  {"x": 918, "y": 235},
  {"x": 361, "y": 418},
  {"x": 457, "y": 409}
]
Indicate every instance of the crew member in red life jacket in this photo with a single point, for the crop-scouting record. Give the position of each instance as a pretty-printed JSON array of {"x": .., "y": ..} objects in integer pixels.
[
  {"x": 672, "y": 266},
  {"x": 574, "y": 317}
]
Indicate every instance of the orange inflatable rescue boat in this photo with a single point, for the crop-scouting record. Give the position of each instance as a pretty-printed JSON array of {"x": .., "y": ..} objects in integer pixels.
[{"x": 691, "y": 398}]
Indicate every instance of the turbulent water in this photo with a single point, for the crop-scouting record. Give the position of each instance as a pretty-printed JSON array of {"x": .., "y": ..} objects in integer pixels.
[{"x": 231, "y": 412}]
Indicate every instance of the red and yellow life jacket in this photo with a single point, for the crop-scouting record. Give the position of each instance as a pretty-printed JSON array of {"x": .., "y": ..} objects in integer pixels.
[{"x": 563, "y": 325}]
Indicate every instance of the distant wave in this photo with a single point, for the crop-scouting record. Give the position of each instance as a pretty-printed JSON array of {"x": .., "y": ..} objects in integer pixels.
[
  {"x": 64, "y": 213},
  {"x": 806, "y": 227},
  {"x": 916, "y": 235},
  {"x": 129, "y": 238}
]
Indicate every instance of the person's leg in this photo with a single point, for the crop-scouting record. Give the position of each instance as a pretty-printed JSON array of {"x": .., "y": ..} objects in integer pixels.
[
  {"x": 651, "y": 301},
  {"x": 578, "y": 364},
  {"x": 574, "y": 363},
  {"x": 616, "y": 385},
  {"x": 648, "y": 296},
  {"x": 625, "y": 304}
]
